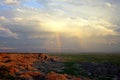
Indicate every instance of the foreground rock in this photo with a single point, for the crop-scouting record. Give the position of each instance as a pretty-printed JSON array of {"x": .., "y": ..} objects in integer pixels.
[
  {"x": 23, "y": 67},
  {"x": 56, "y": 76}
]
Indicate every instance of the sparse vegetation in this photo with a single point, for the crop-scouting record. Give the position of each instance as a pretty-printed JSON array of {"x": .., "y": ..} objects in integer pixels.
[
  {"x": 93, "y": 66},
  {"x": 98, "y": 58}
]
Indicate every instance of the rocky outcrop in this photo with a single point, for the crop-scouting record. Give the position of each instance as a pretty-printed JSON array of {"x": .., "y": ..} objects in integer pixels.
[
  {"x": 56, "y": 76},
  {"x": 22, "y": 67}
]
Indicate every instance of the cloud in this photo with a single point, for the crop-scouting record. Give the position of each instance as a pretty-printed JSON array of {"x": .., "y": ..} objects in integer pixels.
[
  {"x": 45, "y": 21},
  {"x": 80, "y": 27},
  {"x": 6, "y": 48},
  {"x": 17, "y": 19},
  {"x": 11, "y": 2},
  {"x": 7, "y": 33},
  {"x": 108, "y": 4},
  {"x": 60, "y": 21},
  {"x": 2, "y": 18},
  {"x": 39, "y": 24}
]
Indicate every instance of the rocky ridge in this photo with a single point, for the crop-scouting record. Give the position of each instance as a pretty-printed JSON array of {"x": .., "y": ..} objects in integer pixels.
[{"x": 22, "y": 67}]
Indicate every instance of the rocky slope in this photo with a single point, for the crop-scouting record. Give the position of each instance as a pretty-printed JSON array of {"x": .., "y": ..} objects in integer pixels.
[{"x": 28, "y": 67}]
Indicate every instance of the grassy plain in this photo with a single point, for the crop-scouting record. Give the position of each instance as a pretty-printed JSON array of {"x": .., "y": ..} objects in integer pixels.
[
  {"x": 71, "y": 60},
  {"x": 88, "y": 57}
]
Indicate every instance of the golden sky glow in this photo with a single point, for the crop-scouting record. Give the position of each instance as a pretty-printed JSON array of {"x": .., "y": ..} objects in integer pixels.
[{"x": 60, "y": 25}]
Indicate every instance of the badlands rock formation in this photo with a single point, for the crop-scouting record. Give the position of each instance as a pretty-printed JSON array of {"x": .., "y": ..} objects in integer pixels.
[{"x": 21, "y": 66}]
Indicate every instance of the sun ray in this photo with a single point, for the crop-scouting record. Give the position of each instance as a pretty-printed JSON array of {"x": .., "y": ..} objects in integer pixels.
[{"x": 58, "y": 41}]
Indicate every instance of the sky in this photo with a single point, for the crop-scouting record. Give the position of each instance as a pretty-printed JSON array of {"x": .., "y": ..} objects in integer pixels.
[{"x": 60, "y": 25}]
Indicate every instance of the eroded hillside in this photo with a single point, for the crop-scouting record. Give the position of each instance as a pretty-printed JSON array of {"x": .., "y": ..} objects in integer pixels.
[{"x": 31, "y": 67}]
